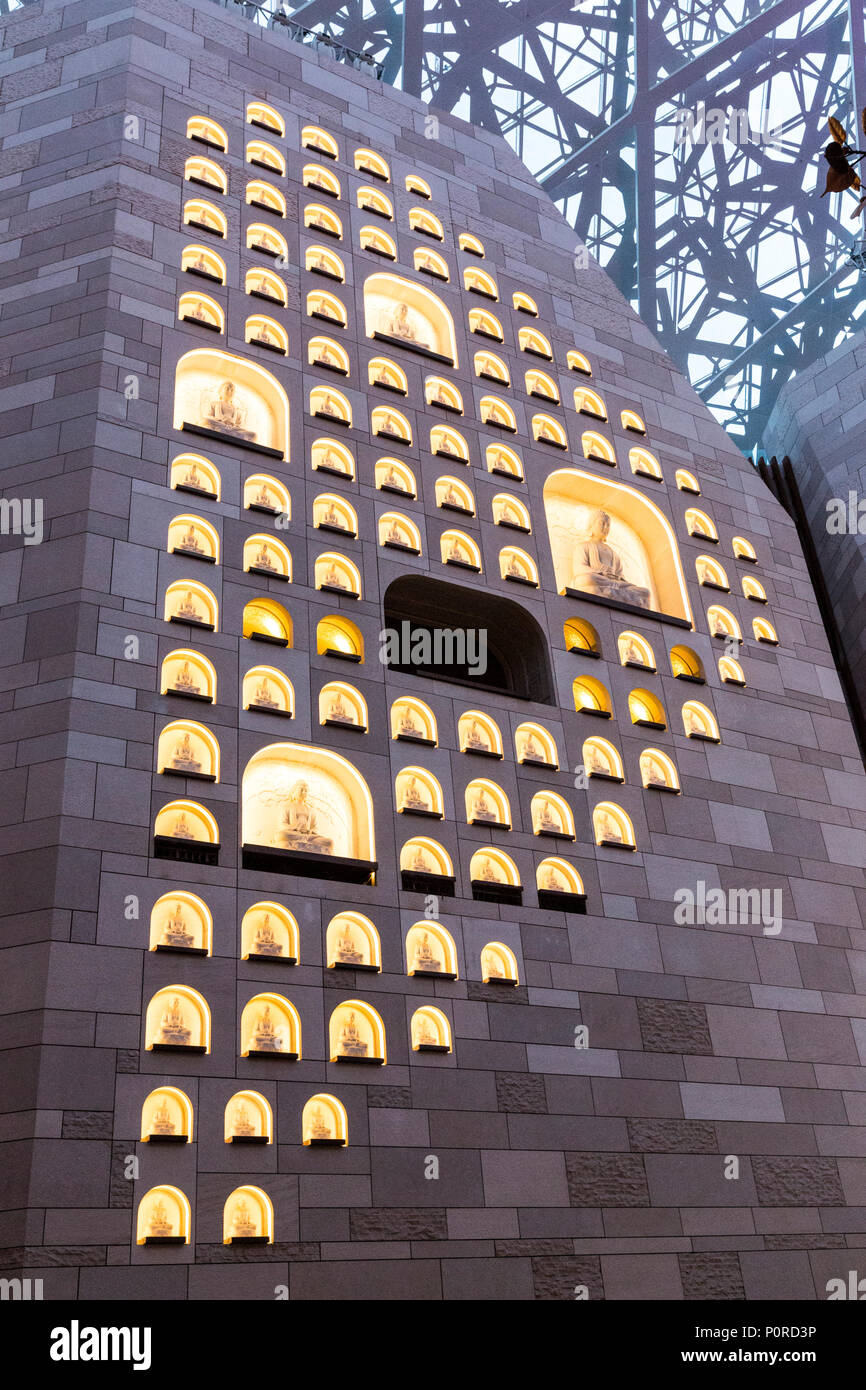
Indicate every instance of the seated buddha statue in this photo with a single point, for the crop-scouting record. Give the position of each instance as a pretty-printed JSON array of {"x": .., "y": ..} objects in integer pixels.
[
  {"x": 201, "y": 264},
  {"x": 175, "y": 931},
  {"x": 182, "y": 828},
  {"x": 265, "y": 1037},
  {"x": 264, "y": 941},
  {"x": 319, "y": 1127},
  {"x": 194, "y": 479},
  {"x": 299, "y": 830},
  {"x": 224, "y": 414},
  {"x": 481, "y": 808},
  {"x": 263, "y": 497},
  {"x": 546, "y": 431},
  {"x": 263, "y": 696},
  {"x": 531, "y": 750},
  {"x": 242, "y": 1223},
  {"x": 398, "y": 324},
  {"x": 184, "y": 681},
  {"x": 551, "y": 882},
  {"x": 161, "y": 1122},
  {"x": 508, "y": 513},
  {"x": 334, "y": 578},
  {"x": 456, "y": 552},
  {"x": 263, "y": 559},
  {"x": 242, "y": 1124},
  {"x": 495, "y": 415},
  {"x": 329, "y": 407},
  {"x": 389, "y": 425},
  {"x": 347, "y": 952},
  {"x": 546, "y": 818},
  {"x": 172, "y": 1027},
  {"x": 412, "y": 798},
  {"x": 424, "y": 1034},
  {"x": 655, "y": 773},
  {"x": 351, "y": 1043},
  {"x": 326, "y": 356},
  {"x": 187, "y": 608},
  {"x": 183, "y": 759},
  {"x": 595, "y": 759},
  {"x": 391, "y": 479},
  {"x": 421, "y": 861},
  {"x": 159, "y": 1224},
  {"x": 476, "y": 738},
  {"x": 451, "y": 497},
  {"x": 598, "y": 569},
  {"x": 633, "y": 653},
  {"x": 394, "y": 535},
  {"x": 331, "y": 517},
  {"x": 337, "y": 710},
  {"x": 515, "y": 569},
  {"x": 425, "y": 957},
  {"x": 492, "y": 968},
  {"x": 489, "y": 873},
  {"x": 608, "y": 828}
]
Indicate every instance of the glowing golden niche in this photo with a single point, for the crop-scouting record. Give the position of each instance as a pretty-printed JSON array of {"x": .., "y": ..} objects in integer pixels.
[
  {"x": 186, "y": 820},
  {"x": 546, "y": 430},
  {"x": 414, "y": 184},
  {"x": 430, "y": 950},
  {"x": 399, "y": 531},
  {"x": 723, "y": 624},
  {"x": 197, "y": 169},
  {"x": 337, "y": 574},
  {"x": 731, "y": 671},
  {"x": 394, "y": 476},
  {"x": 430, "y": 1030},
  {"x": 323, "y": 220},
  {"x": 686, "y": 664},
  {"x": 403, "y": 311},
  {"x": 699, "y": 722},
  {"x": 270, "y": 1026},
  {"x": 743, "y": 549},
  {"x": 187, "y": 673},
  {"x": 634, "y": 650},
  {"x": 551, "y": 815},
  {"x": 601, "y": 759},
  {"x": 498, "y": 964},
  {"x": 307, "y": 799},
  {"x": 422, "y": 221},
  {"x": 374, "y": 239},
  {"x": 191, "y": 535},
  {"x": 260, "y": 114},
  {"x": 558, "y": 876},
  {"x": 263, "y": 195},
  {"x": 336, "y": 636},
  {"x": 200, "y": 308},
  {"x": 205, "y": 217},
  {"x": 177, "y": 1018},
  {"x": 421, "y": 855},
  {"x": 232, "y": 398},
  {"x": 452, "y": 494},
  {"x": 265, "y": 332},
  {"x": 164, "y": 1217},
  {"x": 330, "y": 456},
  {"x": 493, "y": 867},
  {"x": 534, "y": 745},
  {"x": 515, "y": 564},
  {"x": 596, "y": 448},
  {"x": 414, "y": 721},
  {"x": 368, "y": 162},
  {"x": 657, "y": 770},
  {"x": 209, "y": 132},
  {"x": 710, "y": 573},
  {"x": 485, "y": 324},
  {"x": 342, "y": 704},
  {"x": 612, "y": 826},
  {"x": 686, "y": 481},
  {"x": 261, "y": 237},
  {"x": 370, "y": 200},
  {"x": 524, "y": 303},
  {"x": 644, "y": 464},
  {"x": 192, "y": 473},
  {"x": 418, "y": 792},
  {"x": 530, "y": 340},
  {"x": 269, "y": 932},
  {"x": 456, "y": 548},
  {"x": 391, "y": 424},
  {"x": 324, "y": 1121},
  {"x": 503, "y": 461},
  {"x": 199, "y": 260},
  {"x": 314, "y": 138},
  {"x": 591, "y": 697},
  {"x": 166, "y": 1117},
  {"x": 264, "y": 555},
  {"x": 262, "y": 493},
  {"x": 699, "y": 524},
  {"x": 188, "y": 749},
  {"x": 260, "y": 153},
  {"x": 352, "y": 942},
  {"x": 181, "y": 922},
  {"x": 646, "y": 709},
  {"x": 430, "y": 263},
  {"x": 580, "y": 636},
  {"x": 267, "y": 689},
  {"x": 577, "y": 362},
  {"x": 356, "y": 1033},
  {"x": 248, "y": 1119},
  {"x": 263, "y": 618},
  {"x": 478, "y": 733},
  {"x": 248, "y": 1217}
]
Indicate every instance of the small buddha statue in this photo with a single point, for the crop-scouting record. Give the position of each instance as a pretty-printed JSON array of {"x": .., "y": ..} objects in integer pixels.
[
  {"x": 547, "y": 820},
  {"x": 395, "y": 535},
  {"x": 476, "y": 738},
  {"x": 172, "y": 1027},
  {"x": 425, "y": 958},
  {"x": 495, "y": 415},
  {"x": 692, "y": 721},
  {"x": 491, "y": 966},
  {"x": 193, "y": 478},
  {"x": 265, "y": 1037},
  {"x": 546, "y": 431},
  {"x": 329, "y": 407},
  {"x": 300, "y": 830},
  {"x": 424, "y": 1034},
  {"x": 421, "y": 861},
  {"x": 488, "y": 872},
  {"x": 183, "y": 680},
  {"x": 183, "y": 759},
  {"x": 391, "y": 480},
  {"x": 331, "y": 517},
  {"x": 159, "y": 1225},
  {"x": 451, "y": 497},
  {"x": 551, "y": 881},
  {"x": 337, "y": 710},
  {"x": 319, "y": 1128},
  {"x": 351, "y": 1043},
  {"x": 264, "y": 335},
  {"x": 514, "y": 568},
  {"x": 334, "y": 578},
  {"x": 407, "y": 723},
  {"x": 264, "y": 941},
  {"x": 655, "y": 773},
  {"x": 225, "y": 414},
  {"x": 389, "y": 426},
  {"x": 509, "y": 514},
  {"x": 242, "y": 1224},
  {"x": 481, "y": 809},
  {"x": 595, "y": 760},
  {"x": 609, "y": 830},
  {"x": 455, "y": 551},
  {"x": 242, "y": 1124},
  {"x": 440, "y": 395},
  {"x": 347, "y": 952},
  {"x": 263, "y": 559},
  {"x": 263, "y": 695},
  {"x": 531, "y": 750},
  {"x": 326, "y": 356},
  {"x": 175, "y": 931},
  {"x": 633, "y": 653},
  {"x": 182, "y": 828},
  {"x": 263, "y": 497},
  {"x": 412, "y": 798},
  {"x": 200, "y": 264},
  {"x": 161, "y": 1122},
  {"x": 187, "y": 608}
]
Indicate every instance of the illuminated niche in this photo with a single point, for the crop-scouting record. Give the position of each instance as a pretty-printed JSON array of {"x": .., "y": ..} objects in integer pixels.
[
  {"x": 265, "y": 332},
  {"x": 186, "y": 673},
  {"x": 686, "y": 665},
  {"x": 498, "y": 964},
  {"x": 447, "y": 443},
  {"x": 368, "y": 162},
  {"x": 418, "y": 793},
  {"x": 753, "y": 590},
  {"x": 536, "y": 747},
  {"x": 486, "y": 325},
  {"x": 498, "y": 413},
  {"x": 341, "y": 706},
  {"x": 424, "y": 222},
  {"x": 551, "y": 815},
  {"x": 270, "y": 1027},
  {"x": 439, "y": 392},
  {"x": 602, "y": 760},
  {"x": 658, "y": 772},
  {"x": 430, "y": 950},
  {"x": 234, "y": 400},
  {"x": 202, "y": 310},
  {"x": 413, "y": 721},
  {"x": 352, "y": 943},
  {"x": 613, "y": 545},
  {"x": 328, "y": 354},
  {"x": 686, "y": 481},
  {"x": 262, "y": 493},
  {"x": 560, "y": 886},
  {"x": 205, "y": 217},
  {"x": 333, "y": 513},
  {"x": 266, "y": 117},
  {"x": 269, "y": 933},
  {"x": 524, "y": 303},
  {"x": 494, "y": 877},
  {"x": 479, "y": 282},
  {"x": 518, "y": 567},
  {"x": 764, "y": 632},
  {"x": 414, "y": 184},
  {"x": 487, "y": 804},
  {"x": 166, "y": 1117},
  {"x": 382, "y": 372},
  {"x": 541, "y": 385},
  {"x": 177, "y": 1020},
  {"x": 591, "y": 697},
  {"x": 264, "y": 284},
  {"x": 194, "y": 474},
  {"x": 430, "y": 263},
  {"x": 331, "y": 456},
  {"x": 399, "y": 533},
  {"x": 710, "y": 574},
  {"x": 314, "y": 138},
  {"x": 478, "y": 733},
  {"x": 645, "y": 710},
  {"x": 181, "y": 923},
  {"x": 207, "y": 132},
  {"x": 612, "y": 827},
  {"x": 330, "y": 405},
  {"x": 268, "y": 690},
  {"x": 336, "y": 574},
  {"x": 186, "y": 831},
  {"x": 454, "y": 496},
  {"x": 248, "y": 1119},
  {"x": 164, "y": 1217},
  {"x": 392, "y": 475},
  {"x": 722, "y": 623},
  {"x": 536, "y": 344},
  {"x": 645, "y": 465},
  {"x": 504, "y": 462},
  {"x": 326, "y": 307},
  {"x": 265, "y": 156},
  {"x": 699, "y": 723},
  {"x": 390, "y": 424},
  {"x": 577, "y": 362},
  {"x": 319, "y": 260},
  {"x": 489, "y": 366},
  {"x": 425, "y": 865},
  {"x": 263, "y": 195},
  {"x": 190, "y": 535},
  {"x": 265, "y": 620},
  {"x": 323, "y": 220},
  {"x": 590, "y": 403},
  {"x": 378, "y": 242},
  {"x": 467, "y": 242},
  {"x": 322, "y": 180},
  {"x": 635, "y": 651},
  {"x": 632, "y": 421},
  {"x": 356, "y": 1034},
  {"x": 408, "y": 315},
  {"x": 338, "y": 637},
  {"x": 581, "y": 637},
  {"x": 369, "y": 200},
  {"x": 699, "y": 524},
  {"x": 191, "y": 603},
  {"x": 203, "y": 171},
  {"x": 597, "y": 449},
  {"x": 731, "y": 671},
  {"x": 429, "y": 1030},
  {"x": 743, "y": 549},
  {"x": 186, "y": 749},
  {"x": 248, "y": 1217},
  {"x": 203, "y": 263},
  {"x": 304, "y": 806},
  {"x": 546, "y": 430},
  {"x": 460, "y": 550},
  {"x": 324, "y": 1122},
  {"x": 261, "y": 237}
]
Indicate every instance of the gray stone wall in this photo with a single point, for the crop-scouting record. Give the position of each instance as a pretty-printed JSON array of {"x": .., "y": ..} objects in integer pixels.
[{"x": 558, "y": 1167}]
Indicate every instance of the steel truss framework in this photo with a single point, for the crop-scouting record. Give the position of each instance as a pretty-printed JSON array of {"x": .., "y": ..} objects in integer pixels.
[{"x": 721, "y": 244}]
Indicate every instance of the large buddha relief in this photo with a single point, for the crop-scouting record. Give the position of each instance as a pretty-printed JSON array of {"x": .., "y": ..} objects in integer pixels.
[
  {"x": 611, "y": 543},
  {"x": 307, "y": 800},
  {"x": 232, "y": 398}
]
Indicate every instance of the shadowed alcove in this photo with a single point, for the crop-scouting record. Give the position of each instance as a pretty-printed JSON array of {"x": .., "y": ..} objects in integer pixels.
[{"x": 517, "y": 657}]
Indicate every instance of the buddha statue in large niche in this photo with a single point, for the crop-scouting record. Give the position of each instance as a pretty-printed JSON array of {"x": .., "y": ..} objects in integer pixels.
[
  {"x": 299, "y": 830},
  {"x": 175, "y": 930},
  {"x": 183, "y": 759},
  {"x": 319, "y": 1127},
  {"x": 347, "y": 952},
  {"x": 351, "y": 1043},
  {"x": 172, "y": 1026},
  {"x": 598, "y": 569},
  {"x": 398, "y": 323},
  {"x": 221, "y": 411}
]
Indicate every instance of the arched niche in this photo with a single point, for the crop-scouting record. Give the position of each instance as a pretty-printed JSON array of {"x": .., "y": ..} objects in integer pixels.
[
  {"x": 368, "y": 162},
  {"x": 479, "y": 282},
  {"x": 415, "y": 184},
  {"x": 699, "y": 722},
  {"x": 190, "y": 535},
  {"x": 413, "y": 721},
  {"x": 264, "y": 332},
  {"x": 374, "y": 239},
  {"x": 356, "y": 1033},
  {"x": 489, "y": 366},
  {"x": 516, "y": 659},
  {"x": 207, "y": 132},
  {"x": 429, "y": 1030},
  {"x": 337, "y": 574},
  {"x": 597, "y": 449},
  {"x": 557, "y": 877},
  {"x": 166, "y": 1117},
  {"x": 248, "y": 1217},
  {"x": 494, "y": 411},
  {"x": 448, "y": 443},
  {"x": 723, "y": 624},
  {"x": 232, "y": 399},
  {"x": 264, "y": 284},
  {"x": 524, "y": 303},
  {"x": 498, "y": 964},
  {"x": 337, "y": 636},
  {"x": 454, "y": 495},
  {"x": 430, "y": 950},
  {"x": 602, "y": 760},
  {"x": 487, "y": 804},
  {"x": 518, "y": 566},
  {"x": 321, "y": 260},
  {"x": 326, "y": 307},
  {"x": 192, "y": 473},
  {"x": 342, "y": 705},
  {"x": 352, "y": 943},
  {"x": 177, "y": 1019},
  {"x": 324, "y": 1121},
  {"x": 630, "y": 420},
  {"x": 406, "y": 314},
  {"x": 731, "y": 671},
  {"x": 581, "y": 637},
  {"x": 535, "y": 746},
  {"x": 314, "y": 138},
  {"x": 700, "y": 525},
  {"x": 420, "y": 220},
  {"x": 371, "y": 200},
  {"x": 309, "y": 800},
  {"x": 546, "y": 430},
  {"x": 753, "y": 590},
  {"x": 711, "y": 574},
  {"x": 269, "y": 932},
  {"x": 743, "y": 549},
  {"x": 266, "y": 556},
  {"x": 657, "y": 771},
  {"x": 248, "y": 1119},
  {"x": 611, "y": 543},
  {"x": 430, "y": 263},
  {"x": 459, "y": 549},
  {"x": 686, "y": 665},
  {"x": 327, "y": 353},
  {"x": 201, "y": 261},
  {"x": 417, "y": 792},
  {"x": 394, "y": 476},
  {"x": 635, "y": 651},
  {"x": 577, "y": 362},
  {"x": 270, "y": 1027},
  {"x": 323, "y": 220},
  {"x": 587, "y": 402},
  {"x": 186, "y": 821},
  {"x": 686, "y": 481},
  {"x": 181, "y": 922},
  {"x": 266, "y": 620},
  {"x": 188, "y": 673},
  {"x": 486, "y": 325},
  {"x": 265, "y": 688},
  {"x": 262, "y": 493},
  {"x": 263, "y": 195},
  {"x": 261, "y": 237},
  {"x": 541, "y": 385},
  {"x": 646, "y": 710},
  {"x": 399, "y": 532},
  {"x": 198, "y": 169},
  {"x": 322, "y": 180},
  {"x": 591, "y": 697},
  {"x": 504, "y": 462},
  {"x": 381, "y": 371},
  {"x": 551, "y": 815},
  {"x": 205, "y": 217},
  {"x": 438, "y": 391},
  {"x": 164, "y": 1217},
  {"x": 331, "y": 456},
  {"x": 467, "y": 242},
  {"x": 478, "y": 733},
  {"x": 644, "y": 464},
  {"x": 188, "y": 749},
  {"x": 200, "y": 308},
  {"x": 265, "y": 156},
  {"x": 265, "y": 117},
  {"x": 330, "y": 405},
  {"x": 390, "y": 424},
  {"x": 493, "y": 867},
  {"x": 530, "y": 340},
  {"x": 427, "y": 857},
  {"x": 612, "y": 826}
]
